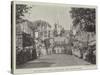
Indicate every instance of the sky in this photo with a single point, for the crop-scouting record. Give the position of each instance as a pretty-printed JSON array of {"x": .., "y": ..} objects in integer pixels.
[{"x": 51, "y": 14}]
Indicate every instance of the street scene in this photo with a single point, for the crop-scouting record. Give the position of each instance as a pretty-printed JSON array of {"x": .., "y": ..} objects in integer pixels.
[
  {"x": 54, "y": 60},
  {"x": 54, "y": 36}
]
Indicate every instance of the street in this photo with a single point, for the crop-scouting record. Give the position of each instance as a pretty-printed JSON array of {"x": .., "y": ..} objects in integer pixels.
[{"x": 54, "y": 60}]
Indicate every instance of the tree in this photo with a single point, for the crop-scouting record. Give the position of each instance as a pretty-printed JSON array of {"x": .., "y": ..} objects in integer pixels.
[
  {"x": 47, "y": 44},
  {"x": 62, "y": 32},
  {"x": 55, "y": 33},
  {"x": 21, "y": 9},
  {"x": 84, "y": 21},
  {"x": 85, "y": 17}
]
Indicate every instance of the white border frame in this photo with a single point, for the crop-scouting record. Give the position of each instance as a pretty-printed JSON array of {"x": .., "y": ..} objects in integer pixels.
[{"x": 50, "y": 69}]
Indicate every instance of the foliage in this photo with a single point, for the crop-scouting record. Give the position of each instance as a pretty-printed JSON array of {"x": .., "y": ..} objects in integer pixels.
[
  {"x": 62, "y": 31},
  {"x": 21, "y": 9},
  {"x": 85, "y": 17},
  {"x": 55, "y": 33}
]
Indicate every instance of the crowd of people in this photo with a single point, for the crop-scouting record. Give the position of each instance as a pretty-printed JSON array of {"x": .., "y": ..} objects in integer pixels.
[{"x": 50, "y": 46}]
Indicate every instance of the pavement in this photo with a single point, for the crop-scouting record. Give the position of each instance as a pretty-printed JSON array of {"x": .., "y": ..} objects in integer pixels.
[{"x": 54, "y": 60}]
